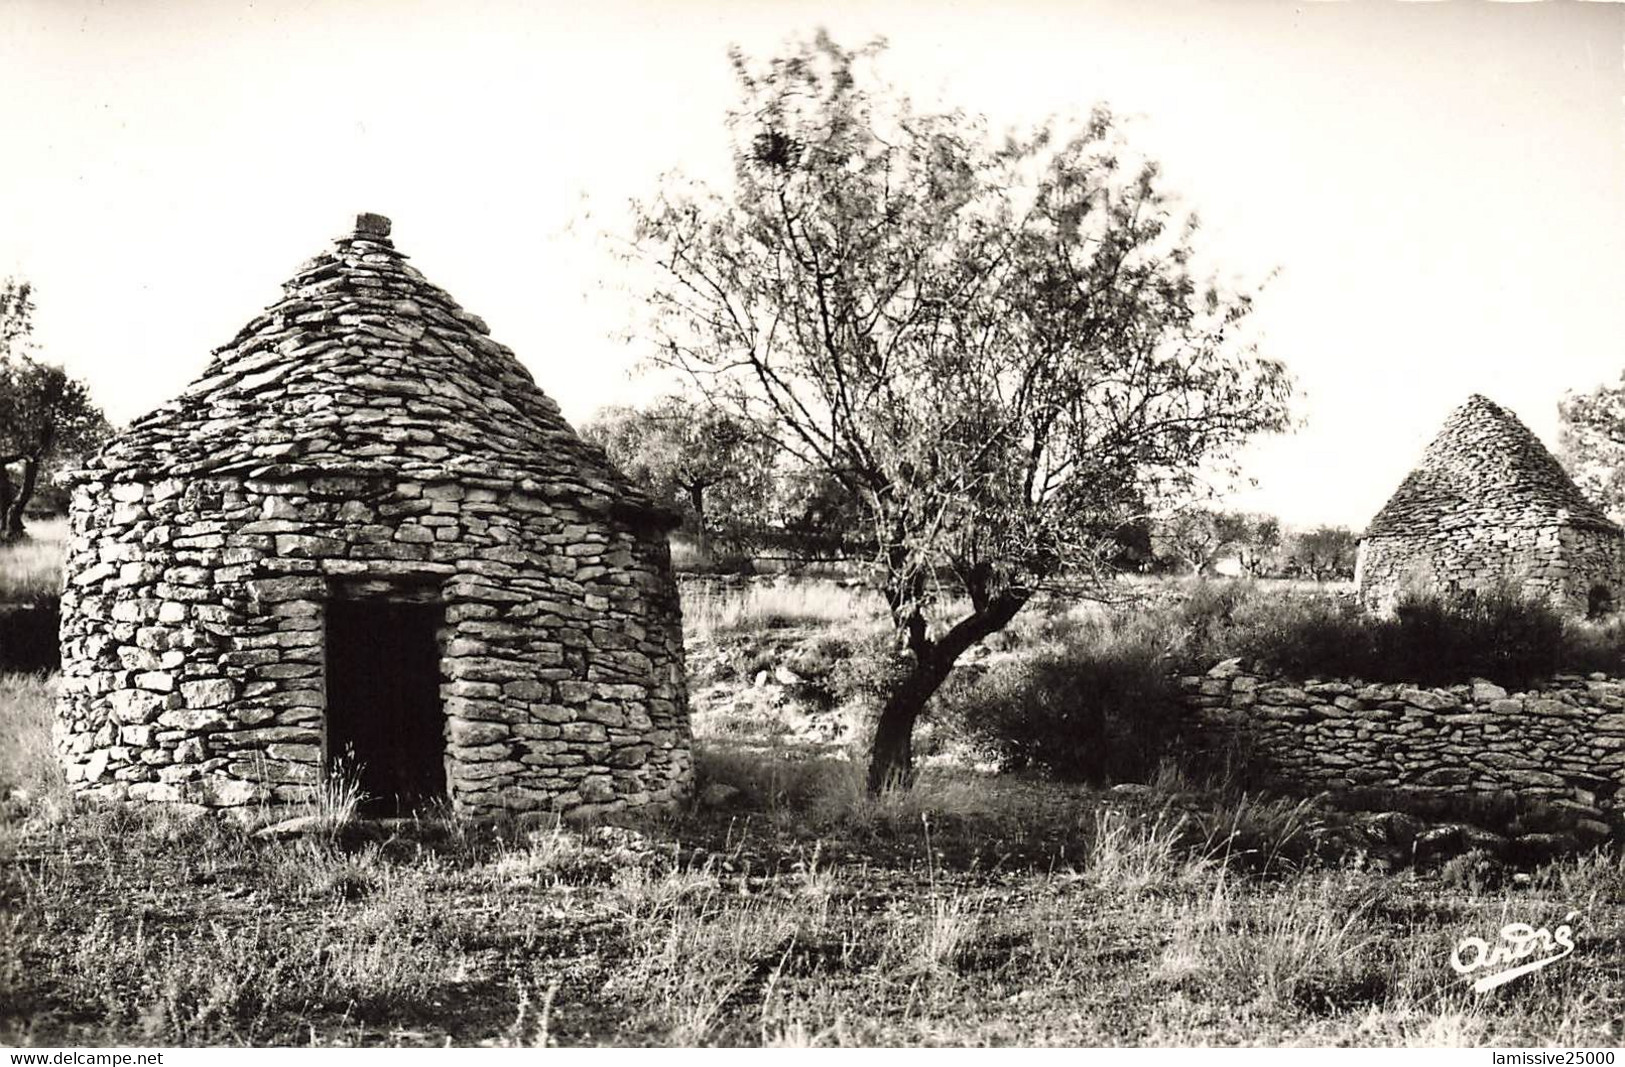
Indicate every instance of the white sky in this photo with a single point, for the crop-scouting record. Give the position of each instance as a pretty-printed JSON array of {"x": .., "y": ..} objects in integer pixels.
[{"x": 1441, "y": 184}]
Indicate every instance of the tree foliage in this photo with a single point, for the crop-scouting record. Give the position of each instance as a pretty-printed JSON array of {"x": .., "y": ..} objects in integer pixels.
[
  {"x": 1591, "y": 444},
  {"x": 16, "y": 317},
  {"x": 996, "y": 347},
  {"x": 1189, "y": 538},
  {"x": 45, "y": 414}
]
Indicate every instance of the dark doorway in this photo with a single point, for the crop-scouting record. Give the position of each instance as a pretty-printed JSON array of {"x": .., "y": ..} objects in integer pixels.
[{"x": 384, "y": 723}]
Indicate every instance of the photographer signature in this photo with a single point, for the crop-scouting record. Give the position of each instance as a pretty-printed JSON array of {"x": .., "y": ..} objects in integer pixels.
[{"x": 1519, "y": 941}]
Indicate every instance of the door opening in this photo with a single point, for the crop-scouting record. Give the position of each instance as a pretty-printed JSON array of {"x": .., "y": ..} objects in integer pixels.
[{"x": 385, "y": 728}]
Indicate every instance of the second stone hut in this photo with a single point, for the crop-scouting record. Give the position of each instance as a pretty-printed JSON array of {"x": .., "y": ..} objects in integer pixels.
[
  {"x": 1488, "y": 504},
  {"x": 365, "y": 548}
]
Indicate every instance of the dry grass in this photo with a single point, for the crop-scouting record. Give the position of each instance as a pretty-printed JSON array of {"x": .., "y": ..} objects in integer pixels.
[
  {"x": 979, "y": 911},
  {"x": 759, "y": 606},
  {"x": 33, "y": 568},
  {"x": 27, "y": 762}
]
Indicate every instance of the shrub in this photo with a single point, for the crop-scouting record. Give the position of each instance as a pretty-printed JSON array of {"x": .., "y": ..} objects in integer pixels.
[
  {"x": 1598, "y": 646},
  {"x": 1498, "y": 633},
  {"x": 1094, "y": 709},
  {"x": 1432, "y": 638},
  {"x": 721, "y": 563},
  {"x": 867, "y": 670},
  {"x": 1203, "y": 625},
  {"x": 1305, "y": 635}
]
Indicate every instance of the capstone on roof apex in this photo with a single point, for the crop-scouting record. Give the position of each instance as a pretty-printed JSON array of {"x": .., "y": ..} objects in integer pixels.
[{"x": 368, "y": 224}]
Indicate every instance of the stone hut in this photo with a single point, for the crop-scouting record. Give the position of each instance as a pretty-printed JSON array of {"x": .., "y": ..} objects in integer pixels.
[
  {"x": 364, "y": 547},
  {"x": 1489, "y": 503}
]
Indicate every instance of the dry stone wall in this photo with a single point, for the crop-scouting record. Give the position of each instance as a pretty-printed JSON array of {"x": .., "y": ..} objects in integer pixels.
[
  {"x": 193, "y": 640},
  {"x": 1551, "y": 759}
]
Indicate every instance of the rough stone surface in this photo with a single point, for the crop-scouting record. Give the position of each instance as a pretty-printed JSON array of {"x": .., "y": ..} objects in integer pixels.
[
  {"x": 365, "y": 438},
  {"x": 1508, "y": 758},
  {"x": 1488, "y": 503}
]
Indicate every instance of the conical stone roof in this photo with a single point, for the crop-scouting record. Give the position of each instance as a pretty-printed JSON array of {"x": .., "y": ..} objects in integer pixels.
[
  {"x": 1485, "y": 468},
  {"x": 364, "y": 368}
]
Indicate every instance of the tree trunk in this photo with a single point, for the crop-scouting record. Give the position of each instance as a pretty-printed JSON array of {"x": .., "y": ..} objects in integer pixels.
[
  {"x": 891, "y": 759},
  {"x": 891, "y": 755},
  {"x": 14, "y": 527},
  {"x": 8, "y": 493},
  {"x": 696, "y": 500}
]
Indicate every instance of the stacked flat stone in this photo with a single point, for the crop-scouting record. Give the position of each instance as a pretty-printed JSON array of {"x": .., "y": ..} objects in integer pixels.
[
  {"x": 1558, "y": 750},
  {"x": 1488, "y": 503},
  {"x": 365, "y": 437}
]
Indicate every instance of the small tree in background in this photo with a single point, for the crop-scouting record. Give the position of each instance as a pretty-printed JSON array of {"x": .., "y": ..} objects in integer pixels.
[
  {"x": 1591, "y": 444},
  {"x": 1193, "y": 538},
  {"x": 996, "y": 347},
  {"x": 715, "y": 467},
  {"x": 1134, "y": 549},
  {"x": 1326, "y": 553},
  {"x": 45, "y": 415},
  {"x": 814, "y": 517},
  {"x": 1256, "y": 539},
  {"x": 1198, "y": 538}
]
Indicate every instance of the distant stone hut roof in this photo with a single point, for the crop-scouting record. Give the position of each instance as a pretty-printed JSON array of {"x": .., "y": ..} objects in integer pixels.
[
  {"x": 366, "y": 369},
  {"x": 1485, "y": 468}
]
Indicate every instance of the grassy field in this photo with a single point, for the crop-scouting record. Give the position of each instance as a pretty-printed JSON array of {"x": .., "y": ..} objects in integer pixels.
[
  {"x": 754, "y": 607},
  {"x": 33, "y": 568}
]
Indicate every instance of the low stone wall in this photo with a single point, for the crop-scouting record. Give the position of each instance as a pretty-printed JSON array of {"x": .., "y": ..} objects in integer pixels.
[{"x": 1551, "y": 759}]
